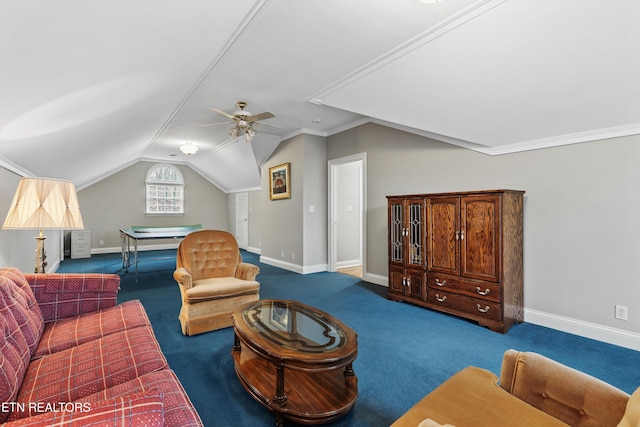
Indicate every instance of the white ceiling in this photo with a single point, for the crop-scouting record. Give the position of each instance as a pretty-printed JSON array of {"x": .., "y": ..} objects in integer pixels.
[{"x": 89, "y": 87}]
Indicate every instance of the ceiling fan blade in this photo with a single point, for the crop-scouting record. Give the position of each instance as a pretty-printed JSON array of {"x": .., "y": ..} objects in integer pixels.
[
  {"x": 267, "y": 124},
  {"x": 261, "y": 116},
  {"x": 216, "y": 124},
  {"x": 224, "y": 113}
]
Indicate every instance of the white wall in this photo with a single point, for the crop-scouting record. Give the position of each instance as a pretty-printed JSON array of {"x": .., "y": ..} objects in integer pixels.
[{"x": 580, "y": 240}]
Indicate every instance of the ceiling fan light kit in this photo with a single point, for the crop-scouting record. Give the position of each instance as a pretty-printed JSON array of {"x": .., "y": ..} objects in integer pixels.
[{"x": 243, "y": 121}]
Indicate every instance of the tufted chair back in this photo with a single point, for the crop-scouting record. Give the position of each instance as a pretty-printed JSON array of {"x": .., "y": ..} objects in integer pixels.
[{"x": 209, "y": 253}]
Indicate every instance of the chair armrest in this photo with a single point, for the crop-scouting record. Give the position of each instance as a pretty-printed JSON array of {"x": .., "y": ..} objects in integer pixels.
[
  {"x": 561, "y": 391},
  {"x": 61, "y": 295},
  {"x": 246, "y": 271},
  {"x": 183, "y": 277}
]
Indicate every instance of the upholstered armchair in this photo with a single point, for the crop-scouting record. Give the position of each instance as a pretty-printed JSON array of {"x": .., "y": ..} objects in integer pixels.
[{"x": 213, "y": 280}]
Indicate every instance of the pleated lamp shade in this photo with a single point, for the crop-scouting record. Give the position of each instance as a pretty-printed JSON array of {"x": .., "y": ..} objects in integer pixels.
[{"x": 44, "y": 203}]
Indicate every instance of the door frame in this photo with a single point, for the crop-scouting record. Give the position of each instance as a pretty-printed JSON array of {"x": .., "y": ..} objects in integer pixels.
[{"x": 332, "y": 206}]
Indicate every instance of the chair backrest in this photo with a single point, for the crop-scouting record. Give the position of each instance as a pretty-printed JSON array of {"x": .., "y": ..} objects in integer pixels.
[{"x": 209, "y": 253}]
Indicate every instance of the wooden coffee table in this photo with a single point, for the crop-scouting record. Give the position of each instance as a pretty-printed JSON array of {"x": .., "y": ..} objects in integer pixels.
[{"x": 296, "y": 360}]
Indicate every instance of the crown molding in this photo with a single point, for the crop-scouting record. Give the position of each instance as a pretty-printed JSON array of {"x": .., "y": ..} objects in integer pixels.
[{"x": 14, "y": 167}]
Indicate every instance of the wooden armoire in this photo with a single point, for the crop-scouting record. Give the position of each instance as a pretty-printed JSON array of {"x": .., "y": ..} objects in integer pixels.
[{"x": 460, "y": 253}]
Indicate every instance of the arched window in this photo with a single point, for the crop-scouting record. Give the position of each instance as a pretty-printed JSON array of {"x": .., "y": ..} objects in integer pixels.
[{"x": 165, "y": 190}]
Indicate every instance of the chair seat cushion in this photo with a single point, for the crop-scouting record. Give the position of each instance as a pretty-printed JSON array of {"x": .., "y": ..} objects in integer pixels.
[{"x": 219, "y": 288}]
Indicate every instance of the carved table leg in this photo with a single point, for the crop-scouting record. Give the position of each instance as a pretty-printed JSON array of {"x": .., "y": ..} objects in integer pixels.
[
  {"x": 236, "y": 343},
  {"x": 348, "y": 371},
  {"x": 281, "y": 398}
]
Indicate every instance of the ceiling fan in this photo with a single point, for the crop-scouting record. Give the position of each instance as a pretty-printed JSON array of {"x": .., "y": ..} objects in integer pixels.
[{"x": 243, "y": 121}]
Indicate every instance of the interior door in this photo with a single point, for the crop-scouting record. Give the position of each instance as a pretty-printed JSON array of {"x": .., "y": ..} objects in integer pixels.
[{"x": 242, "y": 220}]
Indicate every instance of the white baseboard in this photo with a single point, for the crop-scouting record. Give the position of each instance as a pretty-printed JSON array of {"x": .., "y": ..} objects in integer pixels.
[
  {"x": 376, "y": 279},
  {"x": 594, "y": 331},
  {"x": 294, "y": 267},
  {"x": 349, "y": 263},
  {"x": 254, "y": 250}
]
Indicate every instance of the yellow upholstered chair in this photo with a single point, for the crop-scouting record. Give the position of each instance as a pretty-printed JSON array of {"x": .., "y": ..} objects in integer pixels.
[{"x": 213, "y": 280}]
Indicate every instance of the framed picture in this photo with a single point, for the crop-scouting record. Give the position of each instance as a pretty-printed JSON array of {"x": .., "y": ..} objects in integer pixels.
[{"x": 280, "y": 182}]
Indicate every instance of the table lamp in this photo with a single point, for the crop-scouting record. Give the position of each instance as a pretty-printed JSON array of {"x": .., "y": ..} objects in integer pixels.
[{"x": 44, "y": 203}]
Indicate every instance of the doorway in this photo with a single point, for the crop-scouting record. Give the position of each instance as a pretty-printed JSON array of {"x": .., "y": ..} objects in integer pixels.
[
  {"x": 242, "y": 220},
  {"x": 347, "y": 221}
]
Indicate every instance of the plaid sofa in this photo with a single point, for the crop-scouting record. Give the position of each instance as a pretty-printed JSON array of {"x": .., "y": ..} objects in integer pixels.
[{"x": 69, "y": 355}]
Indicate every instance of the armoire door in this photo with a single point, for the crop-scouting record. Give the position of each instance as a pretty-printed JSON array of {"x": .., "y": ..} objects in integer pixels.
[
  {"x": 443, "y": 234},
  {"x": 480, "y": 237}
]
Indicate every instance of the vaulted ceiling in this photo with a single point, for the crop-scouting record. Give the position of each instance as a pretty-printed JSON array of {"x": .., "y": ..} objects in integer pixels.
[{"x": 89, "y": 87}]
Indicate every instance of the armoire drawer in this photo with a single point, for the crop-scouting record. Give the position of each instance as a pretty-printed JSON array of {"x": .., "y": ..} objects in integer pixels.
[
  {"x": 485, "y": 290},
  {"x": 474, "y": 306}
]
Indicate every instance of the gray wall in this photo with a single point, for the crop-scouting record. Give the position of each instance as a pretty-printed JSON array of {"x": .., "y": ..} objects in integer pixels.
[
  {"x": 119, "y": 202},
  {"x": 581, "y": 201},
  {"x": 292, "y": 236},
  {"x": 580, "y": 242},
  {"x": 314, "y": 205}
]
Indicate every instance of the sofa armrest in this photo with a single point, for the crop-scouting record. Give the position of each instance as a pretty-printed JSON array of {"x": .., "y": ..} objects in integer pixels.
[
  {"x": 573, "y": 397},
  {"x": 246, "y": 271},
  {"x": 62, "y": 295},
  {"x": 183, "y": 277}
]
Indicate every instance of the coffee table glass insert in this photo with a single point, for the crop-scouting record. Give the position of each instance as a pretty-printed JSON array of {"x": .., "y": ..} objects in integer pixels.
[{"x": 296, "y": 360}]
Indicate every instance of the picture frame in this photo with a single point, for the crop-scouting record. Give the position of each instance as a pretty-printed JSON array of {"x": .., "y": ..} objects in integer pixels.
[{"x": 280, "y": 182}]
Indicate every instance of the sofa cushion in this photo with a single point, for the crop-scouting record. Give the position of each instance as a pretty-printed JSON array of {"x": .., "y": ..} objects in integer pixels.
[
  {"x": 19, "y": 298},
  {"x": 471, "y": 397},
  {"x": 14, "y": 358},
  {"x": 141, "y": 409},
  {"x": 178, "y": 409},
  {"x": 69, "y": 332},
  {"x": 631, "y": 416},
  {"x": 70, "y": 375}
]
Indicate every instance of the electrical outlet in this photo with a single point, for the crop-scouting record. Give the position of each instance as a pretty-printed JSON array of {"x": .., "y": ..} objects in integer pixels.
[
  {"x": 293, "y": 256},
  {"x": 281, "y": 254},
  {"x": 622, "y": 312}
]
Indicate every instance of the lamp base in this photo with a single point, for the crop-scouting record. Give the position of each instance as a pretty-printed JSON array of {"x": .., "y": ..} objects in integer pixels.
[{"x": 41, "y": 256}]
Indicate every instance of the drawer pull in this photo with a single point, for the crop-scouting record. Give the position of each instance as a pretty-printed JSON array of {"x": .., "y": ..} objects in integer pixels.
[
  {"x": 443, "y": 299},
  {"x": 483, "y": 310},
  {"x": 439, "y": 283},
  {"x": 481, "y": 292}
]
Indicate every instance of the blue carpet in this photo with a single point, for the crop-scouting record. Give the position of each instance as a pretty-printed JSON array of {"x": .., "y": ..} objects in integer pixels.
[{"x": 404, "y": 351}]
